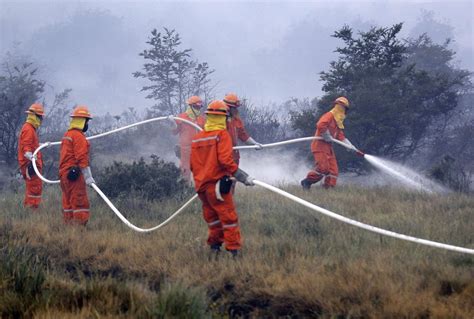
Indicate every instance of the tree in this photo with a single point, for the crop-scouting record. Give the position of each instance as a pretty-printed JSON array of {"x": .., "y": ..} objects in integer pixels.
[
  {"x": 266, "y": 124},
  {"x": 394, "y": 102},
  {"x": 174, "y": 76},
  {"x": 19, "y": 88}
]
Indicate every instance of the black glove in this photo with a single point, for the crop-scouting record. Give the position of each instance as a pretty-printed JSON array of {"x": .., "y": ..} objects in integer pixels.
[{"x": 31, "y": 170}]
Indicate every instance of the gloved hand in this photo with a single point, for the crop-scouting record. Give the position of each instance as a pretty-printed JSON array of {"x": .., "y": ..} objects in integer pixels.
[
  {"x": 172, "y": 122},
  {"x": 29, "y": 156},
  {"x": 243, "y": 177},
  {"x": 251, "y": 141},
  {"x": 347, "y": 142},
  {"x": 86, "y": 171},
  {"x": 327, "y": 137}
]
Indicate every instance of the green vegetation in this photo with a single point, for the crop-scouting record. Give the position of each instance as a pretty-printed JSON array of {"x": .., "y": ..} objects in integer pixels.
[
  {"x": 295, "y": 262},
  {"x": 156, "y": 180}
]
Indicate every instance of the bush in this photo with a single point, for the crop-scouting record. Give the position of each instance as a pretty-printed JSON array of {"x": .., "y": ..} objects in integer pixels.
[
  {"x": 449, "y": 173},
  {"x": 154, "y": 181},
  {"x": 178, "y": 301}
]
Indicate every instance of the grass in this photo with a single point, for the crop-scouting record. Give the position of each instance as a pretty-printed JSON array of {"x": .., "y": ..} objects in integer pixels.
[{"x": 295, "y": 262}]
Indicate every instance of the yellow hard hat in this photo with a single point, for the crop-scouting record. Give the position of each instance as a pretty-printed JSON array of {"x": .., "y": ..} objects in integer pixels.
[{"x": 342, "y": 101}]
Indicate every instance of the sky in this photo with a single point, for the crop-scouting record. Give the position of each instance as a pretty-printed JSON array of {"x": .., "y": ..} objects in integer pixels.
[{"x": 267, "y": 51}]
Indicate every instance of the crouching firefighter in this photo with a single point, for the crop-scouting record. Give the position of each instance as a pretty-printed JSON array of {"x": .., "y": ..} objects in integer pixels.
[
  {"x": 27, "y": 144},
  {"x": 74, "y": 169},
  {"x": 330, "y": 126},
  {"x": 214, "y": 171}
]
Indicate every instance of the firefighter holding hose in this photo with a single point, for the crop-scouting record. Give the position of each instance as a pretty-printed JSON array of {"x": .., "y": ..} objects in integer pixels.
[
  {"x": 330, "y": 126},
  {"x": 186, "y": 133},
  {"x": 27, "y": 143},
  {"x": 214, "y": 170},
  {"x": 74, "y": 168},
  {"x": 236, "y": 127}
]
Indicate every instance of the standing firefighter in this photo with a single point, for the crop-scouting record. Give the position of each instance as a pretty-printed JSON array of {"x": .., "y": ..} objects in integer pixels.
[
  {"x": 235, "y": 126},
  {"x": 212, "y": 165},
  {"x": 186, "y": 133},
  {"x": 74, "y": 169},
  {"x": 27, "y": 144},
  {"x": 330, "y": 126}
]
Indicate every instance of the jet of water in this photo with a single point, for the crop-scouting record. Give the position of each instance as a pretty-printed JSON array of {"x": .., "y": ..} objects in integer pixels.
[{"x": 405, "y": 175}]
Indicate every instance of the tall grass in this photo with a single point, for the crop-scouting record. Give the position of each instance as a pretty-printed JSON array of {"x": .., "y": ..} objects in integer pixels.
[{"x": 295, "y": 262}]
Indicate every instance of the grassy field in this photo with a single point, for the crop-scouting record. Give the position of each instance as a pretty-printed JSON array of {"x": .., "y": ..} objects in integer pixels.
[{"x": 295, "y": 262}]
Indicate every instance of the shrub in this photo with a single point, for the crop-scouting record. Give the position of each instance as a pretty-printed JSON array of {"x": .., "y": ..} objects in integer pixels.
[
  {"x": 178, "y": 301},
  {"x": 154, "y": 181},
  {"x": 451, "y": 174}
]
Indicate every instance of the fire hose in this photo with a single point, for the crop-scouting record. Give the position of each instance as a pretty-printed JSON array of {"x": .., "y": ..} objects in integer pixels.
[{"x": 256, "y": 182}]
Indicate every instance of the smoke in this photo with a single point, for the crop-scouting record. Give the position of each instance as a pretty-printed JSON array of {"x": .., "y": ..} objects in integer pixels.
[{"x": 274, "y": 165}]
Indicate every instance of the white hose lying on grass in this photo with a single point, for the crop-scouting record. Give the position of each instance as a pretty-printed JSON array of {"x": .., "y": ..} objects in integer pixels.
[
  {"x": 261, "y": 184},
  {"x": 129, "y": 224},
  {"x": 362, "y": 225},
  {"x": 99, "y": 191}
]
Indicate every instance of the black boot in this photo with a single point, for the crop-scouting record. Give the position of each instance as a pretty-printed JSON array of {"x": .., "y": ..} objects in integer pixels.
[
  {"x": 215, "y": 251},
  {"x": 216, "y": 247},
  {"x": 235, "y": 253},
  {"x": 306, "y": 184}
]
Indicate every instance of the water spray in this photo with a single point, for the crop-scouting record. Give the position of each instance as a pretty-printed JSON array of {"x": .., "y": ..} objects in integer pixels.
[{"x": 261, "y": 184}]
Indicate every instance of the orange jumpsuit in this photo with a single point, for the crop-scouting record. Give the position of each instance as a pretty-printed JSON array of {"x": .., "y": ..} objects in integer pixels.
[
  {"x": 74, "y": 152},
  {"x": 186, "y": 133},
  {"x": 237, "y": 131},
  {"x": 28, "y": 142},
  {"x": 211, "y": 159},
  {"x": 324, "y": 157}
]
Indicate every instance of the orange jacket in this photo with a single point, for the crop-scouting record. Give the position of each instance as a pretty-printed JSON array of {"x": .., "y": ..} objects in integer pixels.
[
  {"x": 28, "y": 142},
  {"x": 74, "y": 151},
  {"x": 325, "y": 123},
  {"x": 211, "y": 158},
  {"x": 186, "y": 132},
  {"x": 237, "y": 131}
]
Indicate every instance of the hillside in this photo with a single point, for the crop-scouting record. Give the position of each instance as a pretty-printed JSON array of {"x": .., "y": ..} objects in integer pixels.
[{"x": 295, "y": 262}]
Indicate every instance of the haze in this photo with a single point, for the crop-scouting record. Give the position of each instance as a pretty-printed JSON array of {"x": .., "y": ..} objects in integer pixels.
[{"x": 267, "y": 51}]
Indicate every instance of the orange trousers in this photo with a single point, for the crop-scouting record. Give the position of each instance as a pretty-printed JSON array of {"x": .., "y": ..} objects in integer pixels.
[
  {"x": 221, "y": 219},
  {"x": 34, "y": 188},
  {"x": 325, "y": 167},
  {"x": 75, "y": 201}
]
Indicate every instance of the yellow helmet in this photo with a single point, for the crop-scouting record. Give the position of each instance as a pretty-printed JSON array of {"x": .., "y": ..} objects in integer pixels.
[{"x": 342, "y": 101}]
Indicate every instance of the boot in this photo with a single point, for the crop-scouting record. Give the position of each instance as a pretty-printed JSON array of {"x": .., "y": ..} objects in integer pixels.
[
  {"x": 215, "y": 251},
  {"x": 306, "y": 184},
  {"x": 235, "y": 253}
]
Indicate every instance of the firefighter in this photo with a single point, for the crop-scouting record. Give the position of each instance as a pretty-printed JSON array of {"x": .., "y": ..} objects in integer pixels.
[
  {"x": 235, "y": 126},
  {"x": 74, "y": 168},
  {"x": 186, "y": 133},
  {"x": 27, "y": 144},
  {"x": 214, "y": 171},
  {"x": 330, "y": 126}
]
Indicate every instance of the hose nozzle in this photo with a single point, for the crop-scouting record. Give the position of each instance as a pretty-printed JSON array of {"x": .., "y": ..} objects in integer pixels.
[{"x": 360, "y": 153}]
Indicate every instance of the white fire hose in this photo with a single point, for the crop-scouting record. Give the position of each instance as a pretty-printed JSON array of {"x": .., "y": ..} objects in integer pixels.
[
  {"x": 362, "y": 225},
  {"x": 259, "y": 183}
]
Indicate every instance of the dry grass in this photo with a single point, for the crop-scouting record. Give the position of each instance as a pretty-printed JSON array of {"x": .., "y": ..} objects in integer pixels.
[{"x": 295, "y": 262}]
